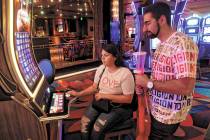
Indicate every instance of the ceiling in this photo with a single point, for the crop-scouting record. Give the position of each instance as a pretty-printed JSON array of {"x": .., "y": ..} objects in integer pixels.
[
  {"x": 200, "y": 7},
  {"x": 63, "y": 8},
  {"x": 84, "y": 8}
]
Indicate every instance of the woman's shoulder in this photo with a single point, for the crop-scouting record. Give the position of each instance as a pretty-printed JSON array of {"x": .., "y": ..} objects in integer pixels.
[
  {"x": 100, "y": 68},
  {"x": 125, "y": 70}
]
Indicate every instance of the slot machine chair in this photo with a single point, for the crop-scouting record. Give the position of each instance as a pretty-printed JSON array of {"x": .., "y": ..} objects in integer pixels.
[
  {"x": 126, "y": 128},
  {"x": 48, "y": 69}
]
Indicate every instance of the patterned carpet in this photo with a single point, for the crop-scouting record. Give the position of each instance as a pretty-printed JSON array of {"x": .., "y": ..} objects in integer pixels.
[{"x": 193, "y": 128}]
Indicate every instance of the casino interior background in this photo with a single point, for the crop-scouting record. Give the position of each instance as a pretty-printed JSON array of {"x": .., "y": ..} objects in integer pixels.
[{"x": 48, "y": 47}]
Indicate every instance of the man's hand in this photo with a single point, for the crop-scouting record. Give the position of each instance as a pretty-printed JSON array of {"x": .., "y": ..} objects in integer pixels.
[{"x": 141, "y": 80}]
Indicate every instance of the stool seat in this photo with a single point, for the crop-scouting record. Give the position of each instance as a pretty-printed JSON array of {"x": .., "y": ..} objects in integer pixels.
[{"x": 122, "y": 129}]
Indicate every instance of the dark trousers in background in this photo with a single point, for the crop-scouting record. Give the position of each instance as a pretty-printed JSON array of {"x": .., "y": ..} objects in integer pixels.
[
  {"x": 161, "y": 131},
  {"x": 99, "y": 123}
]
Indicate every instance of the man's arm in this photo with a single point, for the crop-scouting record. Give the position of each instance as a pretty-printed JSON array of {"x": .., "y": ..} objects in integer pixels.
[{"x": 182, "y": 86}]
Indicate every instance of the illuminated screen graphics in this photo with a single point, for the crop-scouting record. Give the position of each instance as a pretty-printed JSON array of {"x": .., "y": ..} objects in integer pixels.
[
  {"x": 206, "y": 38},
  {"x": 192, "y": 22},
  {"x": 207, "y": 21},
  {"x": 206, "y": 30},
  {"x": 22, "y": 43},
  {"x": 57, "y": 103},
  {"x": 26, "y": 62},
  {"x": 154, "y": 43}
]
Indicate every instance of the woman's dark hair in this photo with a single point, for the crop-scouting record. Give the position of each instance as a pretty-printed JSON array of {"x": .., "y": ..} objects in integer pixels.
[
  {"x": 114, "y": 50},
  {"x": 158, "y": 9}
]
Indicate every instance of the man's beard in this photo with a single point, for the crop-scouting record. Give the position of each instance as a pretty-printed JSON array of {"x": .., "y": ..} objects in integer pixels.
[{"x": 152, "y": 35}]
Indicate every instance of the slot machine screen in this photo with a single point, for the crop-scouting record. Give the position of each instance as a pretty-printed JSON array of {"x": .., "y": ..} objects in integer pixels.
[
  {"x": 22, "y": 43},
  {"x": 192, "y": 22},
  {"x": 192, "y": 30},
  {"x": 57, "y": 104},
  {"x": 207, "y": 21},
  {"x": 206, "y": 39},
  {"x": 194, "y": 38},
  {"x": 154, "y": 43},
  {"x": 206, "y": 30}
]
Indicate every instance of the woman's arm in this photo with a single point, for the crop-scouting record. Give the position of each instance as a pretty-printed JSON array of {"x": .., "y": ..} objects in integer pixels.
[
  {"x": 116, "y": 98},
  {"x": 88, "y": 91}
]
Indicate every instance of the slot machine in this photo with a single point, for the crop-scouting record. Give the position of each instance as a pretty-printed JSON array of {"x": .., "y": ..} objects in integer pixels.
[
  {"x": 180, "y": 25},
  {"x": 30, "y": 100},
  {"x": 204, "y": 49},
  {"x": 192, "y": 28}
]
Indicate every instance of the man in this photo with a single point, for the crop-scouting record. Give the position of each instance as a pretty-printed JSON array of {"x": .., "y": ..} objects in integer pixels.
[{"x": 173, "y": 72}]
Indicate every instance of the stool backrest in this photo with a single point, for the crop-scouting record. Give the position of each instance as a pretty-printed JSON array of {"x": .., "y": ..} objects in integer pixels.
[{"x": 47, "y": 69}]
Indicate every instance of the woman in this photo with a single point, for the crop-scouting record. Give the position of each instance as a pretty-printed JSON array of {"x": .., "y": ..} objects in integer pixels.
[{"x": 115, "y": 83}]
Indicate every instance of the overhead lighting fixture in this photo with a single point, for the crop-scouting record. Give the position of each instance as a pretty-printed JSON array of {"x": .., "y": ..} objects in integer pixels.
[{"x": 42, "y": 12}]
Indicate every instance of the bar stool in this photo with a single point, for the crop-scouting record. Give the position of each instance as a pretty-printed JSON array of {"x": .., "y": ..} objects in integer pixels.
[{"x": 126, "y": 128}]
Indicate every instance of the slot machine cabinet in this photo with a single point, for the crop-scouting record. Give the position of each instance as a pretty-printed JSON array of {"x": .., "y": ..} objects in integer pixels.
[
  {"x": 29, "y": 106},
  {"x": 192, "y": 28},
  {"x": 204, "y": 49}
]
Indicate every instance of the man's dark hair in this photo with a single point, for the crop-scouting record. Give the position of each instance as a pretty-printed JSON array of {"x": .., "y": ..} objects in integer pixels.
[
  {"x": 114, "y": 50},
  {"x": 158, "y": 9}
]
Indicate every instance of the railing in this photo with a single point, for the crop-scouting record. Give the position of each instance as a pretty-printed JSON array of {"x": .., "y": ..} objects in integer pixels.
[{"x": 72, "y": 51}]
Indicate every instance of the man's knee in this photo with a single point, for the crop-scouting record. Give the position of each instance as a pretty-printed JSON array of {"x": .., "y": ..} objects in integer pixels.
[{"x": 84, "y": 124}]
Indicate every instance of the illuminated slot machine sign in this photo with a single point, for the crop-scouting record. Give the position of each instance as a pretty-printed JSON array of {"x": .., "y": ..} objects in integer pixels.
[
  {"x": 192, "y": 28},
  {"x": 206, "y": 31},
  {"x": 154, "y": 43},
  {"x": 27, "y": 65}
]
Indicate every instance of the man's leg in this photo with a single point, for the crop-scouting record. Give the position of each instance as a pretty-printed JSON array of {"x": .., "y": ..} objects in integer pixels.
[{"x": 160, "y": 131}]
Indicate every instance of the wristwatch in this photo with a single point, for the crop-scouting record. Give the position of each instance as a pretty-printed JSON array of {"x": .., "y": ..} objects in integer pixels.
[{"x": 150, "y": 85}]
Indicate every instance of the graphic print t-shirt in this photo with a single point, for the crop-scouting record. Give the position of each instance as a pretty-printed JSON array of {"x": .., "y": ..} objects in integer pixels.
[
  {"x": 174, "y": 59},
  {"x": 118, "y": 82}
]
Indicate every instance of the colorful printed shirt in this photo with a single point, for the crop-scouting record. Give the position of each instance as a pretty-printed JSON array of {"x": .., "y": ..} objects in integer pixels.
[
  {"x": 118, "y": 82},
  {"x": 174, "y": 59}
]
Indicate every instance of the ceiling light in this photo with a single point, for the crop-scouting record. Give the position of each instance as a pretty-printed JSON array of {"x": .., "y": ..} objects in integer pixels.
[{"x": 42, "y": 12}]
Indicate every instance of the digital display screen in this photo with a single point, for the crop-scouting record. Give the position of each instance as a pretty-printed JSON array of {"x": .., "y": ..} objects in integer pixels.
[
  {"x": 206, "y": 39},
  {"x": 22, "y": 43},
  {"x": 57, "y": 103},
  {"x": 154, "y": 43},
  {"x": 206, "y": 30},
  {"x": 191, "y": 30},
  {"x": 207, "y": 21},
  {"x": 192, "y": 22}
]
